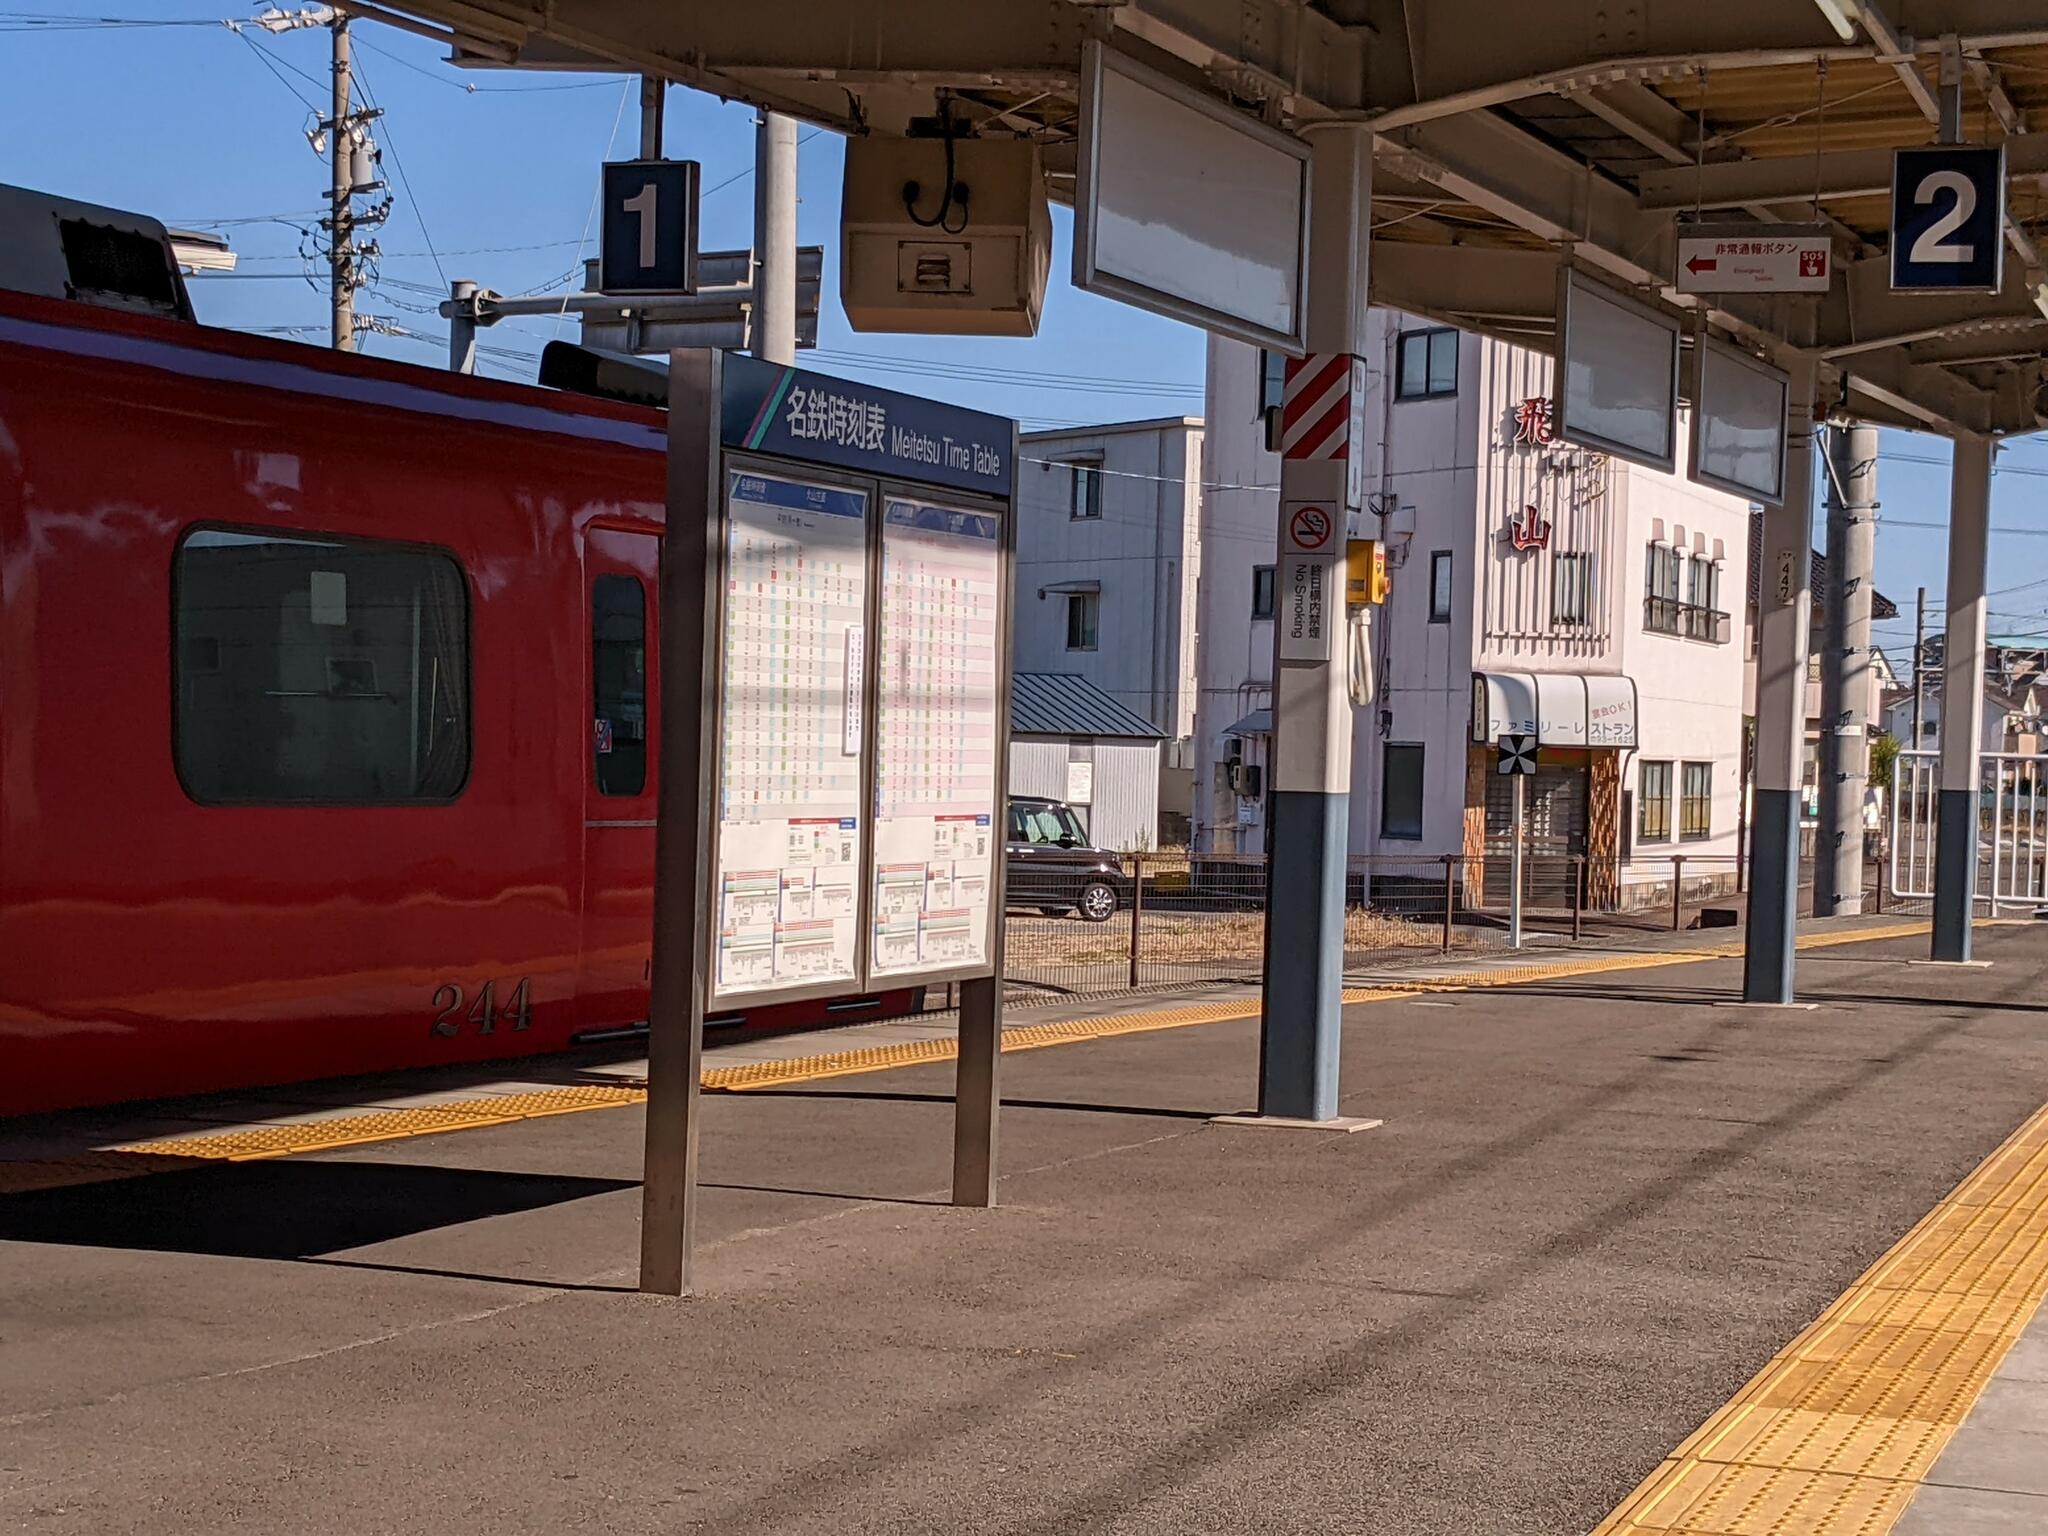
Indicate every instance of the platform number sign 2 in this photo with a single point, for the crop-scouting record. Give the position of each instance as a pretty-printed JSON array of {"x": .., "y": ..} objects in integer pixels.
[
  {"x": 648, "y": 236},
  {"x": 1948, "y": 217}
]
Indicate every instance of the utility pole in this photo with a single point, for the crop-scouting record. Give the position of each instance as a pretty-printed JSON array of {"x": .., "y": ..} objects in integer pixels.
[
  {"x": 1845, "y": 671},
  {"x": 1919, "y": 670},
  {"x": 653, "y": 100},
  {"x": 774, "y": 318},
  {"x": 341, "y": 263}
]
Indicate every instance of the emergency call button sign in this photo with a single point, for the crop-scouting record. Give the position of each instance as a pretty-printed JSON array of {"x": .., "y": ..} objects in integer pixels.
[
  {"x": 1311, "y": 528},
  {"x": 1754, "y": 258}
]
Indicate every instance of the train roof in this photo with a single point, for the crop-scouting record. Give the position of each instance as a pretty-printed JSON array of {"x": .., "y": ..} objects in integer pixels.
[{"x": 197, "y": 351}]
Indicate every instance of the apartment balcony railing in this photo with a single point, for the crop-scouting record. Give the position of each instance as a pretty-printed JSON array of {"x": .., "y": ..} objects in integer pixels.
[{"x": 1668, "y": 616}]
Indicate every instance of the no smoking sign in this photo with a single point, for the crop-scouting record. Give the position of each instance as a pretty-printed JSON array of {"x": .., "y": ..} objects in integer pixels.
[{"x": 1311, "y": 528}]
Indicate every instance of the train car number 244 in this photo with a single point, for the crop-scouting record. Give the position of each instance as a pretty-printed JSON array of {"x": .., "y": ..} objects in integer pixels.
[{"x": 484, "y": 1012}]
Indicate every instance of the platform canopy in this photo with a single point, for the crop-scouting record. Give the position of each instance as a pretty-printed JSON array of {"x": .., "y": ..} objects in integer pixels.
[{"x": 1503, "y": 142}]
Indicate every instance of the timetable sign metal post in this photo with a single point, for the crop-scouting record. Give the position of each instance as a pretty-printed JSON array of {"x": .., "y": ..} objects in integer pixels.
[{"x": 834, "y": 730}]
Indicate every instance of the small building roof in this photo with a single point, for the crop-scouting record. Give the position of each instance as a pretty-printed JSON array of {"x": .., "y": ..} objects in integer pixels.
[
  {"x": 1258, "y": 723},
  {"x": 1109, "y": 428},
  {"x": 1062, "y": 704},
  {"x": 1881, "y": 607}
]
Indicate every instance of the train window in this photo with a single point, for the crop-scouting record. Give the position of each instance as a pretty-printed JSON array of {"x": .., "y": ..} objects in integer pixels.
[
  {"x": 618, "y": 650},
  {"x": 313, "y": 670}
]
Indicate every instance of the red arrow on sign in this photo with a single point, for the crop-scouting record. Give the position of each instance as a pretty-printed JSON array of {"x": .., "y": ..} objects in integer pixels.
[{"x": 1699, "y": 264}]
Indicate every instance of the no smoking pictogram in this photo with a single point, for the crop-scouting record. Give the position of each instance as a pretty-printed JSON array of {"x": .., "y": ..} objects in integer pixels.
[{"x": 1310, "y": 528}]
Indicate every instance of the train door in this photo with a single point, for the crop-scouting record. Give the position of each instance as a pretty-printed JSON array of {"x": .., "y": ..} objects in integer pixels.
[{"x": 619, "y": 571}]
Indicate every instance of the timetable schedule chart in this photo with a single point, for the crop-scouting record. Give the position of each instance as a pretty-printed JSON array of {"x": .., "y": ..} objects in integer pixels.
[
  {"x": 791, "y": 706},
  {"x": 935, "y": 781}
]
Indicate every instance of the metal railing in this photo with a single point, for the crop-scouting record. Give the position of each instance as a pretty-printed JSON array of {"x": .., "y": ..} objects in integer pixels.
[
  {"x": 1186, "y": 919},
  {"x": 1669, "y": 616},
  {"x": 2011, "y": 832}
]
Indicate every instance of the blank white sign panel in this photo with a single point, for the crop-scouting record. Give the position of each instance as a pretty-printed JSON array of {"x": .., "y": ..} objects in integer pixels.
[
  {"x": 1738, "y": 428},
  {"x": 1188, "y": 208},
  {"x": 1618, "y": 374}
]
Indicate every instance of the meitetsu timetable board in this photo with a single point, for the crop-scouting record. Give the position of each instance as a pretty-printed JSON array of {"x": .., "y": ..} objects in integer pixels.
[
  {"x": 937, "y": 746},
  {"x": 792, "y": 704},
  {"x": 859, "y": 639}
]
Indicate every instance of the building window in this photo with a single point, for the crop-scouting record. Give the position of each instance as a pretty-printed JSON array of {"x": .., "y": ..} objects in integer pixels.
[
  {"x": 1440, "y": 586},
  {"x": 1653, "y": 804},
  {"x": 1704, "y": 619},
  {"x": 1401, "y": 792},
  {"x": 1660, "y": 589},
  {"x": 1272, "y": 390},
  {"x": 1272, "y": 379},
  {"x": 1696, "y": 802},
  {"x": 1084, "y": 614},
  {"x": 618, "y": 662},
  {"x": 1571, "y": 589},
  {"x": 1262, "y": 591},
  {"x": 1085, "y": 499},
  {"x": 1426, "y": 365},
  {"x": 316, "y": 670}
]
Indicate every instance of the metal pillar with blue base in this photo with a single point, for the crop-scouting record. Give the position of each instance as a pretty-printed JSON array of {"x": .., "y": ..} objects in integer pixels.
[
  {"x": 1955, "y": 891},
  {"x": 1767, "y": 965},
  {"x": 1305, "y": 848},
  {"x": 1784, "y": 612},
  {"x": 1962, "y": 700},
  {"x": 1309, "y": 788}
]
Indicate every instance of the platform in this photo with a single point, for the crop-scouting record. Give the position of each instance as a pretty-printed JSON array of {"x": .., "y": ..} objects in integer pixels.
[{"x": 1601, "y": 1218}]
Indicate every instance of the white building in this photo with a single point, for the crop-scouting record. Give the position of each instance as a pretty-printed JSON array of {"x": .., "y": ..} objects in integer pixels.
[
  {"x": 1528, "y": 578},
  {"x": 1108, "y": 556},
  {"x": 2008, "y": 727}
]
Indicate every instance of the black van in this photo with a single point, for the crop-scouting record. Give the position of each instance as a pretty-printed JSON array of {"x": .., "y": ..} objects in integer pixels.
[{"x": 1055, "y": 868}]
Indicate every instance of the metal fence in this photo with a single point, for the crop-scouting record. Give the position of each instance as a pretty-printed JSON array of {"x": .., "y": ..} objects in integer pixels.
[
  {"x": 1186, "y": 919},
  {"x": 2012, "y": 828},
  {"x": 1202, "y": 918}
]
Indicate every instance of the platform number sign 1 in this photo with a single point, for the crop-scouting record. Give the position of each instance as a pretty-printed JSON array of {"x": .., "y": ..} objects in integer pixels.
[
  {"x": 648, "y": 236},
  {"x": 1517, "y": 754},
  {"x": 1948, "y": 218}
]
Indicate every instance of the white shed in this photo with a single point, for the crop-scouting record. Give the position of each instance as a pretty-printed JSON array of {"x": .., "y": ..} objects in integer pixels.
[{"x": 1071, "y": 741}]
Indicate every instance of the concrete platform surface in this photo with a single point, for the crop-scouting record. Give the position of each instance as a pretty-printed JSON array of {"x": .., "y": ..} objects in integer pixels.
[{"x": 1597, "y": 1207}]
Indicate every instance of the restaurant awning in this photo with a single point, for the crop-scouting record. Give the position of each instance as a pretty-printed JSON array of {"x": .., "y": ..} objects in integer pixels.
[{"x": 1560, "y": 709}]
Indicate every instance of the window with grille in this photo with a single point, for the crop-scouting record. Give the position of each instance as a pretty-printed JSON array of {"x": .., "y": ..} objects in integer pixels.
[
  {"x": 1653, "y": 803},
  {"x": 1660, "y": 589},
  {"x": 1571, "y": 589},
  {"x": 1696, "y": 802}
]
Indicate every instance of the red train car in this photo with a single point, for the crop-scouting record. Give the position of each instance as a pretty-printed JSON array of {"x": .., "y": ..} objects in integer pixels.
[{"x": 325, "y": 712}]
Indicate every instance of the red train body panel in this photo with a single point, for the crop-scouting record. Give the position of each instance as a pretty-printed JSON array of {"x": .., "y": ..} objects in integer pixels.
[{"x": 299, "y": 664}]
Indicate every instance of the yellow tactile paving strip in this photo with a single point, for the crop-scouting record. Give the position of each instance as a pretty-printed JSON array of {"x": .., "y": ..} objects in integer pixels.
[
  {"x": 333, "y": 1132},
  {"x": 1836, "y": 1433}
]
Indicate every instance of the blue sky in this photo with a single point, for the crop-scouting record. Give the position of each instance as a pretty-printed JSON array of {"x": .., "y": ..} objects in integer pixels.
[{"x": 204, "y": 126}]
